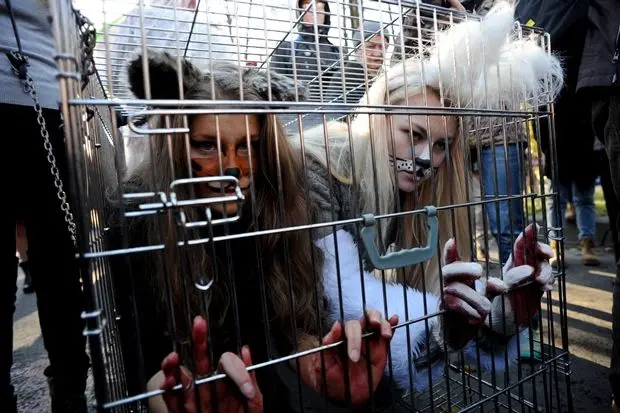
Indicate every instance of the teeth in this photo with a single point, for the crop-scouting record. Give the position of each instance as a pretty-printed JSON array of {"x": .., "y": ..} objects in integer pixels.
[{"x": 216, "y": 185}]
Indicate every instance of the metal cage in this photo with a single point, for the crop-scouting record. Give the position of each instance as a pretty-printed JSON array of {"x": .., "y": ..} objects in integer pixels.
[{"x": 110, "y": 133}]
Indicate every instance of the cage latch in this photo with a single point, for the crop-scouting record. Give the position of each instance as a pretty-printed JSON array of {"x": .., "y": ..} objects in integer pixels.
[
  {"x": 171, "y": 201},
  {"x": 402, "y": 258},
  {"x": 94, "y": 323}
]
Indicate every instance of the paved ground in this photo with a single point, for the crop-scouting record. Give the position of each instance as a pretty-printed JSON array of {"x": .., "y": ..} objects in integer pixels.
[
  {"x": 589, "y": 292},
  {"x": 589, "y": 332}
]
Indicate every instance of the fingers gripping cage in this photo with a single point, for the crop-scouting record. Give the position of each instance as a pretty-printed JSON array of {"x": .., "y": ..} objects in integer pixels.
[{"x": 184, "y": 221}]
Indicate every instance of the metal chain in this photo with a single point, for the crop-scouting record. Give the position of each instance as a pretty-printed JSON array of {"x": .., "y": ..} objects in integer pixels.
[
  {"x": 19, "y": 62},
  {"x": 88, "y": 40},
  {"x": 51, "y": 159}
]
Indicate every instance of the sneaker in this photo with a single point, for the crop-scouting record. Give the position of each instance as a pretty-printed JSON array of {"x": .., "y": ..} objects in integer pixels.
[{"x": 588, "y": 254}]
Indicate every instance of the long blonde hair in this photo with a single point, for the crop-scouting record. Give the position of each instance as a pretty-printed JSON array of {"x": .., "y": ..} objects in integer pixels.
[{"x": 497, "y": 73}]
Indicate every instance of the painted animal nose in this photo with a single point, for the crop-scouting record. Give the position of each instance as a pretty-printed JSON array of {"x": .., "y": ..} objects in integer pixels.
[
  {"x": 424, "y": 163},
  {"x": 236, "y": 172}
]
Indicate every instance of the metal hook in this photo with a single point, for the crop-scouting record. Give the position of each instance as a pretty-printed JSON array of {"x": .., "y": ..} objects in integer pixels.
[{"x": 201, "y": 285}]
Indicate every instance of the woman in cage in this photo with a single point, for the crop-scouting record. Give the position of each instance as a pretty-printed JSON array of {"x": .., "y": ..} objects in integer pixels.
[
  {"x": 265, "y": 295},
  {"x": 383, "y": 164}
]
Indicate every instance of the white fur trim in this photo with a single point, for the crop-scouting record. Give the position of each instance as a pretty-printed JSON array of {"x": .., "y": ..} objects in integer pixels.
[
  {"x": 403, "y": 345},
  {"x": 505, "y": 71}
]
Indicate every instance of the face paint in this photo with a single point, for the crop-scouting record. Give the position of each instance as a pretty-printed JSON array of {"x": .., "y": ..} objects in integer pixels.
[
  {"x": 236, "y": 155},
  {"x": 234, "y": 163},
  {"x": 235, "y": 160},
  {"x": 420, "y": 165}
]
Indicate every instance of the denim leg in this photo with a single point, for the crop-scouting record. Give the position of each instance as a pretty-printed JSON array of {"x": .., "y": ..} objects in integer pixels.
[
  {"x": 552, "y": 214},
  {"x": 583, "y": 200},
  {"x": 503, "y": 179}
]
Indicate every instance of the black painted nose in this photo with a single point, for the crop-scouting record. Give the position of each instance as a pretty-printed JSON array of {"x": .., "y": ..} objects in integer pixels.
[
  {"x": 236, "y": 172},
  {"x": 424, "y": 163}
]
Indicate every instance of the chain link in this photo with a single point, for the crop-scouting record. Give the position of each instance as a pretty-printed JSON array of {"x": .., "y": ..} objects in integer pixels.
[{"x": 51, "y": 159}]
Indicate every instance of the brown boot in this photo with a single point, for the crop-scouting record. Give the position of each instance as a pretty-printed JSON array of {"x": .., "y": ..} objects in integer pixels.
[
  {"x": 554, "y": 247},
  {"x": 588, "y": 254}
]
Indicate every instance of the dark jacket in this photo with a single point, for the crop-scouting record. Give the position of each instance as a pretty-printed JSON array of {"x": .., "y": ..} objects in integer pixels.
[
  {"x": 574, "y": 138},
  {"x": 353, "y": 88},
  {"x": 311, "y": 58},
  {"x": 600, "y": 66}
]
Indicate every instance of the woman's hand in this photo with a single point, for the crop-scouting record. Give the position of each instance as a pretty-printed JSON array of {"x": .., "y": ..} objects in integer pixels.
[
  {"x": 527, "y": 274},
  {"x": 466, "y": 308},
  {"x": 229, "y": 395},
  {"x": 326, "y": 374}
]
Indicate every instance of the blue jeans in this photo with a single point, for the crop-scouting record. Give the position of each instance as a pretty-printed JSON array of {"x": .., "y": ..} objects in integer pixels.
[
  {"x": 505, "y": 217},
  {"x": 583, "y": 201}
]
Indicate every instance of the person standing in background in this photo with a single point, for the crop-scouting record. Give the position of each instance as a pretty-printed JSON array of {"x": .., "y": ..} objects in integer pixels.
[
  {"x": 370, "y": 45},
  {"x": 598, "y": 85},
  {"x": 311, "y": 56},
  {"x": 36, "y": 200}
]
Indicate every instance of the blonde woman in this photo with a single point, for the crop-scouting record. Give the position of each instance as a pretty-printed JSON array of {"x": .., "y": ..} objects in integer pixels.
[{"x": 383, "y": 164}]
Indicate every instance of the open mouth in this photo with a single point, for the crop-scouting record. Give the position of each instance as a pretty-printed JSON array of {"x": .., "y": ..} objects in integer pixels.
[{"x": 225, "y": 187}]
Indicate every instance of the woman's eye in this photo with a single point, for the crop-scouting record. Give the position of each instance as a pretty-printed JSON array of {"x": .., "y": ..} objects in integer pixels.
[
  {"x": 414, "y": 136},
  {"x": 242, "y": 148},
  {"x": 440, "y": 145},
  {"x": 204, "y": 146}
]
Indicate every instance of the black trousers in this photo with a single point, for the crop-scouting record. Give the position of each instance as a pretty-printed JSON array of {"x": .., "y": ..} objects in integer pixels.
[
  {"x": 611, "y": 202},
  {"x": 30, "y": 195},
  {"x": 606, "y": 124}
]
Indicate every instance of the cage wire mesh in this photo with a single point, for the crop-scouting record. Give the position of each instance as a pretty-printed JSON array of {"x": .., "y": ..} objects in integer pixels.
[{"x": 195, "y": 197}]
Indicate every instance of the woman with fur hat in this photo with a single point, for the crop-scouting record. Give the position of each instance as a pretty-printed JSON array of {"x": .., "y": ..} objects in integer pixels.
[
  {"x": 397, "y": 163},
  {"x": 497, "y": 148},
  {"x": 255, "y": 293}
]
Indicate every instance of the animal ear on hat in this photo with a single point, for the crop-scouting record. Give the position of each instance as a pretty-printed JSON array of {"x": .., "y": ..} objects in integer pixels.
[
  {"x": 283, "y": 88},
  {"x": 163, "y": 75}
]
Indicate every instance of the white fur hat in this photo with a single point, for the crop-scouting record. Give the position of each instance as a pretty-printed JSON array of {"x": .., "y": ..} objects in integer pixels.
[{"x": 480, "y": 64}]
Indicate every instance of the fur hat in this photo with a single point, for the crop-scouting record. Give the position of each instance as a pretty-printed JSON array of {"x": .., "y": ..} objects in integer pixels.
[
  {"x": 163, "y": 75},
  {"x": 481, "y": 64}
]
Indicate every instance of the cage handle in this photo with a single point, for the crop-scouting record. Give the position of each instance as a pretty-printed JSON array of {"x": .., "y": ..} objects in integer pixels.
[{"x": 401, "y": 258}]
